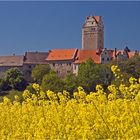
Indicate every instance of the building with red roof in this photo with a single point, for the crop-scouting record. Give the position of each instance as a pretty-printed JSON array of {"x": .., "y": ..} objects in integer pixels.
[
  {"x": 61, "y": 60},
  {"x": 64, "y": 61}
]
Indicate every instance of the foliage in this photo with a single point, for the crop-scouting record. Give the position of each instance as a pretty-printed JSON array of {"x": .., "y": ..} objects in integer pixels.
[
  {"x": 129, "y": 67},
  {"x": 3, "y": 84},
  {"x": 30, "y": 88},
  {"x": 51, "y": 115},
  {"x": 90, "y": 74},
  {"x": 86, "y": 75},
  {"x": 70, "y": 82},
  {"x": 132, "y": 66},
  {"x": 14, "y": 79},
  {"x": 51, "y": 81},
  {"x": 39, "y": 71},
  {"x": 11, "y": 95}
]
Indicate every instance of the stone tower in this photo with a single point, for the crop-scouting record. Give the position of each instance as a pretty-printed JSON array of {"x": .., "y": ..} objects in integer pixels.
[{"x": 93, "y": 33}]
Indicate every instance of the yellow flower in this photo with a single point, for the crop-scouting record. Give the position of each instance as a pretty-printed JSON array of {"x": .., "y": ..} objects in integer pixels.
[{"x": 36, "y": 86}]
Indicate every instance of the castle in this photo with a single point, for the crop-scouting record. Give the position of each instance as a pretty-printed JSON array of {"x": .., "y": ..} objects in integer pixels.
[{"x": 64, "y": 61}]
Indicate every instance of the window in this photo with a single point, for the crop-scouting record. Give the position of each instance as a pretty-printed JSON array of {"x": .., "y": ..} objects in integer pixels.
[
  {"x": 30, "y": 67},
  {"x": 53, "y": 64},
  {"x": 102, "y": 59},
  {"x": 107, "y": 59}
]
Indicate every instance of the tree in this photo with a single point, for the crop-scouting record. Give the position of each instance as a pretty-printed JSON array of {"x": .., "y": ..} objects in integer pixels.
[
  {"x": 52, "y": 82},
  {"x": 14, "y": 79},
  {"x": 4, "y": 85},
  {"x": 91, "y": 74},
  {"x": 39, "y": 71},
  {"x": 129, "y": 68},
  {"x": 71, "y": 82},
  {"x": 132, "y": 66},
  {"x": 86, "y": 75}
]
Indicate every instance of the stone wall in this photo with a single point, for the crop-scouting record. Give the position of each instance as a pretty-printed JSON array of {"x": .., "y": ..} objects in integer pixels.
[
  {"x": 27, "y": 71},
  {"x": 62, "y": 68},
  {"x": 92, "y": 34}
]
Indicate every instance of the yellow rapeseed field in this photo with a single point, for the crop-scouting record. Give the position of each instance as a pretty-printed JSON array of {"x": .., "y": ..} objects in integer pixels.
[{"x": 97, "y": 115}]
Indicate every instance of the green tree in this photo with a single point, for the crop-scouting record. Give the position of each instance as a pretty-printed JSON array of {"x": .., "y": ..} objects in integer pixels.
[
  {"x": 52, "y": 82},
  {"x": 14, "y": 79},
  {"x": 39, "y": 71},
  {"x": 4, "y": 85},
  {"x": 86, "y": 75},
  {"x": 91, "y": 74},
  {"x": 132, "y": 66},
  {"x": 71, "y": 82},
  {"x": 129, "y": 68}
]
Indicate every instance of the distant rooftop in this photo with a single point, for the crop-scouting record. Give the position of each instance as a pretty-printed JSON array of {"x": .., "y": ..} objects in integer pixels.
[
  {"x": 15, "y": 60},
  {"x": 61, "y": 54},
  {"x": 35, "y": 57},
  {"x": 83, "y": 55}
]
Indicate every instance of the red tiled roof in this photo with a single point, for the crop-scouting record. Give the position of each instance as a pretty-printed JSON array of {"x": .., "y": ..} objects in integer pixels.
[
  {"x": 61, "y": 54},
  {"x": 97, "y": 18},
  {"x": 15, "y": 60},
  {"x": 84, "y": 55},
  {"x": 112, "y": 53},
  {"x": 131, "y": 54}
]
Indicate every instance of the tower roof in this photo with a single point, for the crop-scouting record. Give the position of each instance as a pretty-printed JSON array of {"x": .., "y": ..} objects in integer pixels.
[{"x": 92, "y": 20}]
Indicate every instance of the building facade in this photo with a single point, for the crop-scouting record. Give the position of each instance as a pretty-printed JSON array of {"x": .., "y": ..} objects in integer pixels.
[
  {"x": 61, "y": 60},
  {"x": 65, "y": 61},
  {"x": 93, "y": 33}
]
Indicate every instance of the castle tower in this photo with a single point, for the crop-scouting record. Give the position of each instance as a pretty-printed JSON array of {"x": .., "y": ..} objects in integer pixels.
[{"x": 93, "y": 33}]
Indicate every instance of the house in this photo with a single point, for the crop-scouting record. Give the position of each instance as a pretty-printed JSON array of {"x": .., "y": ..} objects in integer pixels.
[
  {"x": 65, "y": 61},
  {"x": 25, "y": 63},
  {"x": 61, "y": 60},
  {"x": 31, "y": 59},
  {"x": 7, "y": 62}
]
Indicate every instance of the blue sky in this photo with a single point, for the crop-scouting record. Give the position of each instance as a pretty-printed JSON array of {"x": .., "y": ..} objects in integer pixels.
[{"x": 41, "y": 26}]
